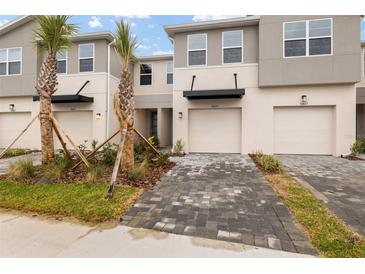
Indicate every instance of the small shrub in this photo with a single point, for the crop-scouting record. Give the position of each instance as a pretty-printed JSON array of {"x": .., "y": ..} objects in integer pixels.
[
  {"x": 93, "y": 173},
  {"x": 269, "y": 163},
  {"x": 82, "y": 147},
  {"x": 178, "y": 147},
  {"x": 108, "y": 154},
  {"x": 94, "y": 143},
  {"x": 358, "y": 147},
  {"x": 153, "y": 140},
  {"x": 56, "y": 170},
  {"x": 139, "y": 170},
  {"x": 21, "y": 169}
]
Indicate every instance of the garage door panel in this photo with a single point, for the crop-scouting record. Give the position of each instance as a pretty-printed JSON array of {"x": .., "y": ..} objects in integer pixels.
[
  {"x": 303, "y": 130},
  {"x": 215, "y": 130},
  {"x": 12, "y": 123},
  {"x": 77, "y": 124}
]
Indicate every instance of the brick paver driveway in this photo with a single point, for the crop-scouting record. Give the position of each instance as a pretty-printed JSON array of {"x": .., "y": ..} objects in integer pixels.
[
  {"x": 337, "y": 182},
  {"x": 219, "y": 196}
]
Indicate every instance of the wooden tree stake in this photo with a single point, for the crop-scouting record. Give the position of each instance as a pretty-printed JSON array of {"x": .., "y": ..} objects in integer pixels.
[
  {"x": 56, "y": 124},
  {"x": 63, "y": 143},
  {"x": 96, "y": 149},
  {"x": 146, "y": 141},
  {"x": 18, "y": 136},
  {"x": 116, "y": 164}
]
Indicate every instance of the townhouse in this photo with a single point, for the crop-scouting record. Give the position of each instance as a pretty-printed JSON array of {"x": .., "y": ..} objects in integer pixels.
[{"x": 280, "y": 84}]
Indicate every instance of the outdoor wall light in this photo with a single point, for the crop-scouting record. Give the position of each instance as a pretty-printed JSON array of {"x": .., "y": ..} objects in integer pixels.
[
  {"x": 98, "y": 116},
  {"x": 304, "y": 100},
  {"x": 12, "y": 107},
  {"x": 180, "y": 115}
]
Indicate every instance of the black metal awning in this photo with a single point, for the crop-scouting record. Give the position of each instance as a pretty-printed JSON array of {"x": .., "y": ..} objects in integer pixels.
[
  {"x": 68, "y": 99},
  {"x": 213, "y": 94}
]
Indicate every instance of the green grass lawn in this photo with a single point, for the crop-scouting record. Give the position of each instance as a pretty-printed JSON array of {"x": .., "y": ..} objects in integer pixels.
[{"x": 83, "y": 201}]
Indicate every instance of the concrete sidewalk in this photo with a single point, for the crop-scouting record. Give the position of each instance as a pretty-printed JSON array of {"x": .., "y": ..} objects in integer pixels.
[{"x": 23, "y": 236}]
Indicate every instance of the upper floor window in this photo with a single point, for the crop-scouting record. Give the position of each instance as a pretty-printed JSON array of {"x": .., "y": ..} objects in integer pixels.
[
  {"x": 197, "y": 49},
  {"x": 145, "y": 74},
  {"x": 61, "y": 62},
  {"x": 170, "y": 74},
  {"x": 10, "y": 61},
  {"x": 86, "y": 57},
  {"x": 308, "y": 38},
  {"x": 232, "y": 46}
]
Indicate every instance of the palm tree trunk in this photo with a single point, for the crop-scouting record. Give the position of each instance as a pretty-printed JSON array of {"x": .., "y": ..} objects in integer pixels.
[
  {"x": 46, "y": 86},
  {"x": 125, "y": 113}
]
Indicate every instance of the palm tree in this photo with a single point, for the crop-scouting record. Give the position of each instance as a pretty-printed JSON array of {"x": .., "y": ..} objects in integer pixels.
[
  {"x": 52, "y": 35},
  {"x": 125, "y": 44}
]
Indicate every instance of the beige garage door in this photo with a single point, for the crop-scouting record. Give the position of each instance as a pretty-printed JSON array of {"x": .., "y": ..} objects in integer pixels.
[
  {"x": 304, "y": 130},
  {"x": 11, "y": 124},
  {"x": 77, "y": 124},
  {"x": 215, "y": 130}
]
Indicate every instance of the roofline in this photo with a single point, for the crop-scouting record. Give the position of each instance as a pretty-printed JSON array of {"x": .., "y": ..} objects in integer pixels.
[
  {"x": 156, "y": 57},
  {"x": 19, "y": 21},
  {"x": 213, "y": 24},
  {"x": 107, "y": 35}
]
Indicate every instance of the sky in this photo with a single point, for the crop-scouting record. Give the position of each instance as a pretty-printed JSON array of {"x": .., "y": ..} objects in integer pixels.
[{"x": 147, "y": 28}]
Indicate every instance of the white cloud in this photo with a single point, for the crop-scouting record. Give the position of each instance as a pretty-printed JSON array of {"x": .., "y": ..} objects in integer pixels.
[
  {"x": 134, "y": 16},
  {"x": 151, "y": 26},
  {"x": 3, "y": 21},
  {"x": 142, "y": 46},
  {"x": 95, "y": 22},
  {"x": 198, "y": 18},
  {"x": 132, "y": 24},
  {"x": 158, "y": 38},
  {"x": 162, "y": 52},
  {"x": 145, "y": 40}
]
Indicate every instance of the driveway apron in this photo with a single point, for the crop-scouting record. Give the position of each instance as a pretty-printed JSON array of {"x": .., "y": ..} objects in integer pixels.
[{"x": 219, "y": 196}]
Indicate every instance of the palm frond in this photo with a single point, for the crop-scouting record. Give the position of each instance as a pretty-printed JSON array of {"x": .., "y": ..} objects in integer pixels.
[
  {"x": 53, "y": 33},
  {"x": 125, "y": 43}
]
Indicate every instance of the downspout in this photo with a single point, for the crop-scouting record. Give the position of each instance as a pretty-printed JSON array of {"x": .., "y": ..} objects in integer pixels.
[{"x": 107, "y": 110}]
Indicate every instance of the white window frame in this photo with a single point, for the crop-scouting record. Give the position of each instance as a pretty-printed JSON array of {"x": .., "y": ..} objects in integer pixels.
[
  {"x": 80, "y": 58},
  {"x": 223, "y": 47},
  {"x": 167, "y": 72},
  {"x": 140, "y": 74},
  {"x": 66, "y": 59},
  {"x": 7, "y": 61},
  {"x": 307, "y": 38},
  {"x": 188, "y": 50}
]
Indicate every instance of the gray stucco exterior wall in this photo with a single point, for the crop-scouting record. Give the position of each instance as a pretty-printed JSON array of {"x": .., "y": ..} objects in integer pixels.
[
  {"x": 214, "y": 46},
  {"x": 21, "y": 85},
  {"x": 341, "y": 67}
]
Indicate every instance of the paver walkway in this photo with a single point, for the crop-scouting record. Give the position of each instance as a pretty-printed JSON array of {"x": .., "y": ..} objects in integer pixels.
[
  {"x": 5, "y": 162},
  {"x": 219, "y": 196},
  {"x": 337, "y": 182}
]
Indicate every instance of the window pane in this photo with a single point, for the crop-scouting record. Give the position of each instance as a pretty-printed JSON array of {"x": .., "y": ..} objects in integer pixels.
[
  {"x": 86, "y": 65},
  {"x": 61, "y": 66},
  {"x": 14, "y": 55},
  {"x": 295, "y": 48},
  {"x": 233, "y": 55},
  {"x": 197, "y": 41},
  {"x": 145, "y": 69},
  {"x": 2, "y": 55},
  {"x": 169, "y": 68},
  {"x": 145, "y": 80},
  {"x": 169, "y": 78},
  {"x": 320, "y": 46},
  {"x": 14, "y": 68},
  {"x": 197, "y": 57},
  {"x": 295, "y": 30},
  {"x": 320, "y": 28},
  {"x": 86, "y": 50},
  {"x": 61, "y": 55},
  {"x": 232, "y": 39},
  {"x": 2, "y": 68}
]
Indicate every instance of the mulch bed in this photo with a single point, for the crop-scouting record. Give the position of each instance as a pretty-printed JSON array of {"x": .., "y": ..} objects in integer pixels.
[
  {"x": 352, "y": 158},
  {"x": 79, "y": 174}
]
